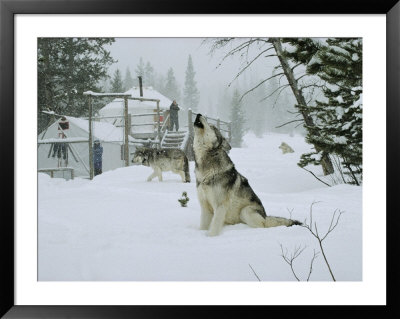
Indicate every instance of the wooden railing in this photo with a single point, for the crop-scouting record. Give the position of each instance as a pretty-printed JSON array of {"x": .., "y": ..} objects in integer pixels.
[{"x": 165, "y": 123}]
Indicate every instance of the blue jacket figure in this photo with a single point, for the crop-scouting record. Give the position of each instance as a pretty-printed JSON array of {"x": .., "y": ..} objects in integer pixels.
[
  {"x": 97, "y": 157},
  {"x": 173, "y": 116}
]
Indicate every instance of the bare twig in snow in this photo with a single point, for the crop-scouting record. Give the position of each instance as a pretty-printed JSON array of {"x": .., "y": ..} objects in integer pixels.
[
  {"x": 311, "y": 264},
  {"x": 315, "y": 233},
  {"x": 255, "y": 274},
  {"x": 290, "y": 258},
  {"x": 290, "y": 212}
]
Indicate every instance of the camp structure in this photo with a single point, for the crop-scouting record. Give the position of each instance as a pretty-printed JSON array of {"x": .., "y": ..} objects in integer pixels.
[
  {"x": 64, "y": 145},
  {"x": 143, "y": 114}
]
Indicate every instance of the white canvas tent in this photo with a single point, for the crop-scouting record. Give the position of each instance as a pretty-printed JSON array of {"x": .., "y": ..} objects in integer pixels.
[
  {"x": 115, "y": 110},
  {"x": 77, "y": 138}
]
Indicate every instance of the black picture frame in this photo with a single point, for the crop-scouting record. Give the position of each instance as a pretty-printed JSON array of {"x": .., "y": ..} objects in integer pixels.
[{"x": 8, "y": 9}]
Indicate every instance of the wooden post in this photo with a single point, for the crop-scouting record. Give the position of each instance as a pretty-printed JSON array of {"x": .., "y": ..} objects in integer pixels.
[
  {"x": 130, "y": 122},
  {"x": 190, "y": 123},
  {"x": 218, "y": 124},
  {"x": 126, "y": 132},
  {"x": 158, "y": 124},
  {"x": 189, "y": 146},
  {"x": 230, "y": 132},
  {"x": 91, "y": 165}
]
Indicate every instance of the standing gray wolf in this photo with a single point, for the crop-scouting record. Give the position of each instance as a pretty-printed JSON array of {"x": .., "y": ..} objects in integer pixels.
[
  {"x": 225, "y": 196},
  {"x": 163, "y": 160}
]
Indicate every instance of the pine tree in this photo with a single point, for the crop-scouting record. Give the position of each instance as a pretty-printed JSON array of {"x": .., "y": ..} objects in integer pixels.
[
  {"x": 339, "y": 116},
  {"x": 116, "y": 83},
  {"x": 191, "y": 95},
  {"x": 237, "y": 120},
  {"x": 128, "y": 80},
  {"x": 149, "y": 75},
  {"x": 223, "y": 102},
  {"x": 171, "y": 86},
  {"x": 66, "y": 68},
  {"x": 140, "y": 69},
  {"x": 159, "y": 83}
]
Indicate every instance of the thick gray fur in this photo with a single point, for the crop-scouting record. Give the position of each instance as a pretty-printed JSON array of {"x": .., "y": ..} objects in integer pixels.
[
  {"x": 163, "y": 160},
  {"x": 225, "y": 195}
]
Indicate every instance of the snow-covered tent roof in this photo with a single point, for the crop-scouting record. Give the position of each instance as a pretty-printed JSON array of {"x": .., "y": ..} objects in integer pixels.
[
  {"x": 101, "y": 130},
  {"x": 135, "y": 105},
  {"x": 150, "y": 93},
  {"x": 79, "y": 128}
]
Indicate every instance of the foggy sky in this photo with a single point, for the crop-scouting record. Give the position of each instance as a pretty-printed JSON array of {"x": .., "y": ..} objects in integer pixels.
[{"x": 164, "y": 53}]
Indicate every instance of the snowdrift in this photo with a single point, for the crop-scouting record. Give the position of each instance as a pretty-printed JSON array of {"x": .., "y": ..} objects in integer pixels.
[{"x": 119, "y": 227}]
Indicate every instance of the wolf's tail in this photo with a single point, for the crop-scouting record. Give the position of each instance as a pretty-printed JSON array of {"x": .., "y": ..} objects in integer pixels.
[
  {"x": 272, "y": 221},
  {"x": 186, "y": 169}
]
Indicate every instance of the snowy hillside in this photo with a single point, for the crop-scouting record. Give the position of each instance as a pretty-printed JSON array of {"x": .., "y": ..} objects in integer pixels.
[{"x": 120, "y": 227}]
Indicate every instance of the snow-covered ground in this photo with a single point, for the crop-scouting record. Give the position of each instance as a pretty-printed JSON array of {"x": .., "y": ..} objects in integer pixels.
[{"x": 120, "y": 227}]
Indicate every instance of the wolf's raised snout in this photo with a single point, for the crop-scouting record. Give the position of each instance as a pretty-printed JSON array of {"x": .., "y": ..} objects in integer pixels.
[{"x": 197, "y": 121}]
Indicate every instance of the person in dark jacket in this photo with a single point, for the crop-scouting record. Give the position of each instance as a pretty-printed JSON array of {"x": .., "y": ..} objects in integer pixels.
[
  {"x": 173, "y": 116},
  {"x": 97, "y": 157}
]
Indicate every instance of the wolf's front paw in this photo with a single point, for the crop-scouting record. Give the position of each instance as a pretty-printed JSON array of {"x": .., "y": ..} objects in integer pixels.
[{"x": 212, "y": 234}]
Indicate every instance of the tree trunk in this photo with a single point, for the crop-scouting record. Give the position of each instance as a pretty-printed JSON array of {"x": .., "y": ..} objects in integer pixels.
[{"x": 326, "y": 162}]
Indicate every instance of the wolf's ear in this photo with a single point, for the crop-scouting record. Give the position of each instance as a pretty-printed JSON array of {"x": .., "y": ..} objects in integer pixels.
[
  {"x": 225, "y": 145},
  {"x": 221, "y": 140}
]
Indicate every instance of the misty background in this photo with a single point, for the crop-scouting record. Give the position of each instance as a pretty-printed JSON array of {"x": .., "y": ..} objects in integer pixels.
[
  {"x": 214, "y": 78},
  {"x": 311, "y": 86}
]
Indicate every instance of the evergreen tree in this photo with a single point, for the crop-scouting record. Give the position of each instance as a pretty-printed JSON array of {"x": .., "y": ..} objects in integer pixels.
[
  {"x": 140, "y": 68},
  {"x": 339, "y": 116},
  {"x": 116, "y": 83},
  {"x": 128, "y": 80},
  {"x": 159, "y": 83},
  {"x": 223, "y": 102},
  {"x": 66, "y": 68},
  {"x": 191, "y": 93},
  {"x": 149, "y": 79},
  {"x": 171, "y": 86},
  {"x": 237, "y": 120}
]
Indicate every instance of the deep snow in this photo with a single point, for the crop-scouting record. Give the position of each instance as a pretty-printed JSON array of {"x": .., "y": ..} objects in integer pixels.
[{"x": 120, "y": 227}]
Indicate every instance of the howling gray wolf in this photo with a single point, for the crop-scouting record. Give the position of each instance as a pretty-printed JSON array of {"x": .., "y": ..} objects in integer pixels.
[
  {"x": 225, "y": 196},
  {"x": 163, "y": 160}
]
